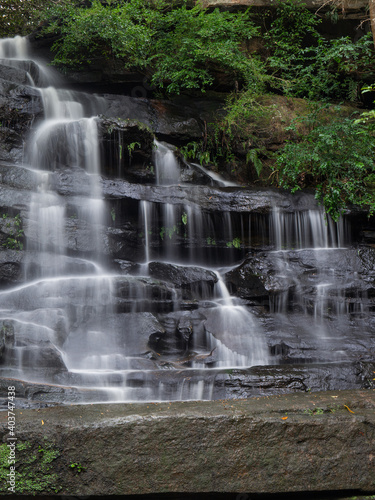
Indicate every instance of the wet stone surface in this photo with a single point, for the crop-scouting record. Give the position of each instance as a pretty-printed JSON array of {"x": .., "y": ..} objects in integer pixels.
[{"x": 128, "y": 274}]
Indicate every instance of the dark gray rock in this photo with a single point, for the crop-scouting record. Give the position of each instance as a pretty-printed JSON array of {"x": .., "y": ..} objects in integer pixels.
[
  {"x": 244, "y": 281},
  {"x": 272, "y": 445},
  {"x": 143, "y": 294},
  {"x": 20, "y": 105},
  {"x": 11, "y": 267},
  {"x": 14, "y": 75},
  {"x": 195, "y": 282},
  {"x": 10, "y": 145},
  {"x": 266, "y": 380},
  {"x": 177, "y": 121},
  {"x": 38, "y": 358},
  {"x": 127, "y": 147},
  {"x": 25, "y": 72},
  {"x": 19, "y": 177}
]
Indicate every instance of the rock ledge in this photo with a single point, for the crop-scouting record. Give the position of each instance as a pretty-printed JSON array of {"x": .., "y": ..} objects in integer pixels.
[{"x": 293, "y": 443}]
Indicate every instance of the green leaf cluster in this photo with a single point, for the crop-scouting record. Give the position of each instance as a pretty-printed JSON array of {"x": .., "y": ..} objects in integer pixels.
[
  {"x": 303, "y": 63},
  {"x": 178, "y": 46},
  {"x": 337, "y": 159},
  {"x": 14, "y": 231},
  {"x": 19, "y": 17},
  {"x": 34, "y": 468}
]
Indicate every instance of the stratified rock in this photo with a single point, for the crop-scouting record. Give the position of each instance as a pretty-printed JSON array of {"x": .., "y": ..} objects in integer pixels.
[
  {"x": 195, "y": 282},
  {"x": 178, "y": 121},
  {"x": 295, "y": 443},
  {"x": 20, "y": 105}
]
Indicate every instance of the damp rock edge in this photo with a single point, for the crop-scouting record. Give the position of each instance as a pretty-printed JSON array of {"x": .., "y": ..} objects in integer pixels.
[{"x": 321, "y": 441}]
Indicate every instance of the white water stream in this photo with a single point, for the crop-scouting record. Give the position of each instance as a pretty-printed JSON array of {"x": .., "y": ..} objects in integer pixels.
[{"x": 76, "y": 322}]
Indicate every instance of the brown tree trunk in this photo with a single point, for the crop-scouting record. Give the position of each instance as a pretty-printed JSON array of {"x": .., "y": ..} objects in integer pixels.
[{"x": 372, "y": 17}]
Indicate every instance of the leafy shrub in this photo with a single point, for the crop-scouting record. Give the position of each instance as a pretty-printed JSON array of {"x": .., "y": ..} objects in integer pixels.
[
  {"x": 19, "y": 17},
  {"x": 302, "y": 63},
  {"x": 179, "y": 46},
  {"x": 338, "y": 160}
]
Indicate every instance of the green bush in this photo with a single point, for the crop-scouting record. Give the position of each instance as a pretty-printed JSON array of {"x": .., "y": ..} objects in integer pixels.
[
  {"x": 302, "y": 63},
  {"x": 336, "y": 159},
  {"x": 179, "y": 46},
  {"x": 19, "y": 17}
]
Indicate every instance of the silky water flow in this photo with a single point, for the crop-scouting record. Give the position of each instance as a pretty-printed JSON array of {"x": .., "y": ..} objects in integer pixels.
[{"x": 75, "y": 323}]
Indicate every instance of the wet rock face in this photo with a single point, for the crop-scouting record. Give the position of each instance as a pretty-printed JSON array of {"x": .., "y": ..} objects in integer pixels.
[
  {"x": 176, "y": 121},
  {"x": 127, "y": 148},
  {"x": 192, "y": 281},
  {"x": 20, "y": 105},
  {"x": 11, "y": 267},
  {"x": 144, "y": 277}
]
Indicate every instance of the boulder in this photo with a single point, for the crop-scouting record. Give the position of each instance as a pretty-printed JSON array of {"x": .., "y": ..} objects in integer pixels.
[
  {"x": 11, "y": 267},
  {"x": 195, "y": 282},
  {"x": 295, "y": 444}
]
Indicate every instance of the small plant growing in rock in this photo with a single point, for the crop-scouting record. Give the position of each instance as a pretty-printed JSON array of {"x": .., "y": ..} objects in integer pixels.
[
  {"x": 132, "y": 146},
  {"x": 113, "y": 214},
  {"x": 236, "y": 243},
  {"x": 15, "y": 234},
  {"x": 77, "y": 467}
]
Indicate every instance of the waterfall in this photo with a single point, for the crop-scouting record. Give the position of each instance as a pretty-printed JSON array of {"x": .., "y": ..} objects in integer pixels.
[
  {"x": 14, "y": 48},
  {"x": 166, "y": 165},
  {"x": 318, "y": 241},
  {"x": 158, "y": 290}
]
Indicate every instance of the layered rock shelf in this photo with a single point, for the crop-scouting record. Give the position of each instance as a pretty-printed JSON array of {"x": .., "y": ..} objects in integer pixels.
[{"x": 314, "y": 443}]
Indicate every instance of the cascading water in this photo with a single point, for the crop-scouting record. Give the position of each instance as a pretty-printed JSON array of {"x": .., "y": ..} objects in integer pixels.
[
  {"x": 66, "y": 138},
  {"x": 166, "y": 166},
  {"x": 154, "y": 291},
  {"x": 318, "y": 242},
  {"x": 97, "y": 345}
]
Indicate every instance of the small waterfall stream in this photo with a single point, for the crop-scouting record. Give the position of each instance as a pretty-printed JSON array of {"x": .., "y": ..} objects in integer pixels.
[{"x": 175, "y": 319}]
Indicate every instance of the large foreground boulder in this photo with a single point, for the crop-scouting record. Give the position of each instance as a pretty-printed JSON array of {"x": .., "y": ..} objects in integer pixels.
[{"x": 281, "y": 444}]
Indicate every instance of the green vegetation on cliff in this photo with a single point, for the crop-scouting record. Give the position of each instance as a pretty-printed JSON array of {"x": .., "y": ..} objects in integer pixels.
[
  {"x": 182, "y": 48},
  {"x": 19, "y": 17},
  {"x": 178, "y": 47}
]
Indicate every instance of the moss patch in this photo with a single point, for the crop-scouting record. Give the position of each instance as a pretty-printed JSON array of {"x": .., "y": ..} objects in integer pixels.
[{"x": 32, "y": 468}]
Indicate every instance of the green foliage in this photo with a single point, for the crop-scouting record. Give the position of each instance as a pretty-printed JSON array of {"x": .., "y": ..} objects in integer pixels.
[
  {"x": 338, "y": 160},
  {"x": 169, "y": 231},
  {"x": 179, "y": 46},
  {"x": 252, "y": 156},
  {"x": 195, "y": 41},
  {"x": 235, "y": 243},
  {"x": 210, "y": 241},
  {"x": 14, "y": 231},
  {"x": 33, "y": 468},
  {"x": 367, "y": 117},
  {"x": 19, "y": 17},
  {"x": 77, "y": 467},
  {"x": 236, "y": 137},
  {"x": 302, "y": 63},
  {"x": 113, "y": 214},
  {"x": 195, "y": 151},
  {"x": 131, "y": 148}
]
